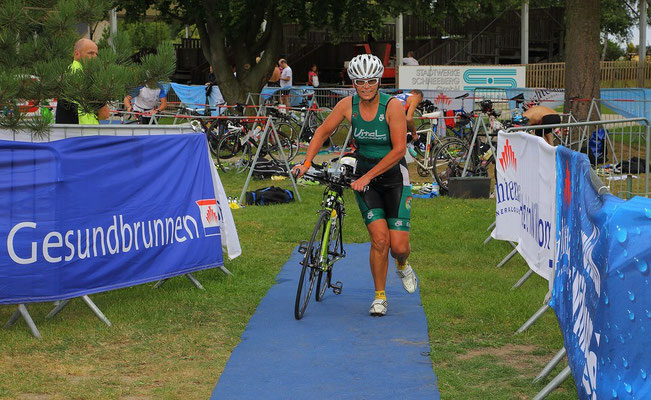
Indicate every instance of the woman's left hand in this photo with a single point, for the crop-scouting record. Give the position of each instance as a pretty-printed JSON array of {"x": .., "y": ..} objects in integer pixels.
[{"x": 360, "y": 184}]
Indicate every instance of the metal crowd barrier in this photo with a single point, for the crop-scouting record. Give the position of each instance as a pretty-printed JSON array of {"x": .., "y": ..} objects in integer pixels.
[{"x": 621, "y": 160}]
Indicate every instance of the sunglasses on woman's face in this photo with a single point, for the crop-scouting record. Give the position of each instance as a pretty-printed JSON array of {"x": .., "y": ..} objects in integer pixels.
[{"x": 370, "y": 82}]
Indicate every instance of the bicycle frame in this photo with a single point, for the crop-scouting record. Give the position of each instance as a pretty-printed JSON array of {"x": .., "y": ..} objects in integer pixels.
[{"x": 333, "y": 202}]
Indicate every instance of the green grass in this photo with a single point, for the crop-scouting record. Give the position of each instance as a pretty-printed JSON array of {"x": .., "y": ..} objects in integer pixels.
[{"x": 174, "y": 342}]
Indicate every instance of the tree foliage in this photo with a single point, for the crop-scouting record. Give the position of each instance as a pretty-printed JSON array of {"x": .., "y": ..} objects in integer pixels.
[{"x": 36, "y": 49}]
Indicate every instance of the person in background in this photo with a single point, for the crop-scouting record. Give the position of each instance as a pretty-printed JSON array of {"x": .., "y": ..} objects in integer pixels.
[
  {"x": 69, "y": 112},
  {"x": 146, "y": 98},
  {"x": 285, "y": 81},
  {"x": 541, "y": 115},
  {"x": 274, "y": 80},
  {"x": 409, "y": 102},
  {"x": 313, "y": 76},
  {"x": 409, "y": 60}
]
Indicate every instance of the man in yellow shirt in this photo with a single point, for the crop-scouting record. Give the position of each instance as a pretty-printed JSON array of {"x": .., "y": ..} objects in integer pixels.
[{"x": 68, "y": 112}]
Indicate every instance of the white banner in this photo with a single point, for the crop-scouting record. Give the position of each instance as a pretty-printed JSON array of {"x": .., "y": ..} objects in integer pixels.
[
  {"x": 525, "y": 198},
  {"x": 447, "y": 77}
]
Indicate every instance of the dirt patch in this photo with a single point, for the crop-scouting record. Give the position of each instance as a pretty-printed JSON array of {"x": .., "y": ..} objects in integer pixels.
[{"x": 519, "y": 356}]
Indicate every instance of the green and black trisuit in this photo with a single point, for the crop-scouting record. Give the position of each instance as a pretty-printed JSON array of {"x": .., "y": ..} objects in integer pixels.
[{"x": 389, "y": 194}]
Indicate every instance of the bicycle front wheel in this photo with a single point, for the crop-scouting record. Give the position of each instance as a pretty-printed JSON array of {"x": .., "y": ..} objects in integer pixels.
[
  {"x": 311, "y": 266},
  {"x": 323, "y": 281}
]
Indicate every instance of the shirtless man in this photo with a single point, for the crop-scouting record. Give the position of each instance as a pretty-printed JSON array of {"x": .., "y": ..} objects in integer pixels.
[{"x": 541, "y": 115}]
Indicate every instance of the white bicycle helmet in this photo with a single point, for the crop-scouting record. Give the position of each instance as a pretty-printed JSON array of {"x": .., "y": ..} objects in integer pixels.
[{"x": 365, "y": 66}]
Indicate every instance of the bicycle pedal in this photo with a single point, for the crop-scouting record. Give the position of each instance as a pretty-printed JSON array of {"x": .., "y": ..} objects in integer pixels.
[
  {"x": 337, "y": 287},
  {"x": 302, "y": 247}
]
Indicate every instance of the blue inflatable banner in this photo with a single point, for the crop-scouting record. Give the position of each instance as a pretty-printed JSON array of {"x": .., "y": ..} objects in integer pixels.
[
  {"x": 90, "y": 214},
  {"x": 601, "y": 284}
]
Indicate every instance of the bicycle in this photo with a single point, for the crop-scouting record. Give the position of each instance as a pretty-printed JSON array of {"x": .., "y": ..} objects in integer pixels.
[
  {"x": 454, "y": 155},
  {"x": 239, "y": 141},
  {"x": 307, "y": 117},
  {"x": 325, "y": 246}
]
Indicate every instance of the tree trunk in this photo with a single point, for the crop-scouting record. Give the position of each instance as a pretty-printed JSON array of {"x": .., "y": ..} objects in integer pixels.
[
  {"x": 250, "y": 76},
  {"x": 582, "y": 67}
]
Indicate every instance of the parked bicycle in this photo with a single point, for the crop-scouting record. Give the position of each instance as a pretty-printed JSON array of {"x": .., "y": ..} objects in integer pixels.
[
  {"x": 236, "y": 147},
  {"x": 308, "y": 116},
  {"x": 325, "y": 246}
]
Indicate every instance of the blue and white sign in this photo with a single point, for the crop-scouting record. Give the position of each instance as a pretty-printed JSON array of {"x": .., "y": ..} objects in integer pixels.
[
  {"x": 444, "y": 77},
  {"x": 601, "y": 285},
  {"x": 90, "y": 214}
]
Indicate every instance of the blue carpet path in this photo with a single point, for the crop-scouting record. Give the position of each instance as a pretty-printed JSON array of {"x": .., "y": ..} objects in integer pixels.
[{"x": 337, "y": 351}]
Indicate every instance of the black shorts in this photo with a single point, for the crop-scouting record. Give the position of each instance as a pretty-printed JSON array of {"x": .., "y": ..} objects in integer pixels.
[
  {"x": 388, "y": 197},
  {"x": 549, "y": 119}
]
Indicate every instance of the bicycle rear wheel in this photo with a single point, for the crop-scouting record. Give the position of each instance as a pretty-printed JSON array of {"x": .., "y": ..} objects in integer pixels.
[
  {"x": 311, "y": 265},
  {"x": 289, "y": 138},
  {"x": 449, "y": 160}
]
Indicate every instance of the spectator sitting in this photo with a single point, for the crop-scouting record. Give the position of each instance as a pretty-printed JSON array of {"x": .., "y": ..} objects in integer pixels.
[
  {"x": 541, "y": 115},
  {"x": 409, "y": 60},
  {"x": 69, "y": 112},
  {"x": 145, "y": 99}
]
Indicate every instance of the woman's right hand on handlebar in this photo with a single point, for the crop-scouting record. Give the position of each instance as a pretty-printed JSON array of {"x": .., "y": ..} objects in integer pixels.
[{"x": 300, "y": 169}]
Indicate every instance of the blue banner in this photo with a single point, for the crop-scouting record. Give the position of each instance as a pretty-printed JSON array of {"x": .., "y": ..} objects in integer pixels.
[
  {"x": 601, "y": 284},
  {"x": 630, "y": 102},
  {"x": 90, "y": 214},
  {"x": 194, "y": 98}
]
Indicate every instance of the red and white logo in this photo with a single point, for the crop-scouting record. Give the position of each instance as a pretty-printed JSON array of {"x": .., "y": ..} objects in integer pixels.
[
  {"x": 443, "y": 100},
  {"x": 507, "y": 157},
  {"x": 210, "y": 216}
]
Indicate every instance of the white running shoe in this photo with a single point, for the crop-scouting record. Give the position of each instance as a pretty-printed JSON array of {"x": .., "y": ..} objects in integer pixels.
[
  {"x": 408, "y": 278},
  {"x": 378, "y": 308}
]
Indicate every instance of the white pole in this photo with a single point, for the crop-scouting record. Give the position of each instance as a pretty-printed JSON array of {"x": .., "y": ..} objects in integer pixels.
[
  {"x": 524, "y": 33},
  {"x": 399, "y": 46},
  {"x": 642, "y": 44},
  {"x": 187, "y": 32}
]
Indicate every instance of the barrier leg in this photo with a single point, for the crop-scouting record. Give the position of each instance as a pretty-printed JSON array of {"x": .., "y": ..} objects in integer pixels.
[
  {"x": 195, "y": 281},
  {"x": 12, "y": 320},
  {"x": 489, "y": 238},
  {"x": 61, "y": 304},
  {"x": 533, "y": 319},
  {"x": 22, "y": 312},
  {"x": 160, "y": 283},
  {"x": 507, "y": 258},
  {"x": 551, "y": 365},
  {"x": 95, "y": 310},
  {"x": 556, "y": 382},
  {"x": 28, "y": 319},
  {"x": 522, "y": 280},
  {"x": 226, "y": 271}
]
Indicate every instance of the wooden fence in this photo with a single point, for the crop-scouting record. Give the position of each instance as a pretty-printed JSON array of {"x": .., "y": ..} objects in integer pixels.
[{"x": 613, "y": 74}]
